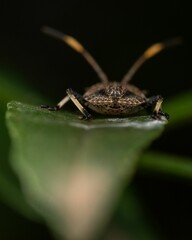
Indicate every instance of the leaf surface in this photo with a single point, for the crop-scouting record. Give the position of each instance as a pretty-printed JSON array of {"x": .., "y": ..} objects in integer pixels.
[{"x": 73, "y": 171}]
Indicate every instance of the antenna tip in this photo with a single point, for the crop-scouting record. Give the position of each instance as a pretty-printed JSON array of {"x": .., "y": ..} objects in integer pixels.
[
  {"x": 52, "y": 32},
  {"x": 173, "y": 41},
  {"x": 45, "y": 29}
]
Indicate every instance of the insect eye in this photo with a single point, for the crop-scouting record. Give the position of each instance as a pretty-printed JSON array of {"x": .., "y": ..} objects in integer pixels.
[
  {"x": 128, "y": 93},
  {"x": 101, "y": 92}
]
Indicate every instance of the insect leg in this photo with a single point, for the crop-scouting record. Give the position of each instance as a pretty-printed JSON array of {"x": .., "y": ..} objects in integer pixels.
[
  {"x": 78, "y": 101},
  {"x": 157, "y": 111},
  {"x": 58, "y": 106}
]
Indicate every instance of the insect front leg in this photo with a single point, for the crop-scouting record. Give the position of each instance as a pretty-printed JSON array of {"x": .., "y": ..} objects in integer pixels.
[
  {"x": 58, "y": 106},
  {"x": 78, "y": 100},
  {"x": 156, "y": 101}
]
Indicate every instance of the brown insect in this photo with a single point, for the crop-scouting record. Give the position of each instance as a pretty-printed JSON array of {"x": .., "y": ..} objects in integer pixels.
[{"x": 112, "y": 98}]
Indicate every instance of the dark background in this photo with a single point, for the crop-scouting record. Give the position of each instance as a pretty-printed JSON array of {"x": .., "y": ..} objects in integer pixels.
[{"x": 116, "y": 32}]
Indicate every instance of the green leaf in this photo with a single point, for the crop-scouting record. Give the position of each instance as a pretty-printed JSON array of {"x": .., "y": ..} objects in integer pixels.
[
  {"x": 73, "y": 171},
  {"x": 131, "y": 220},
  {"x": 166, "y": 164},
  {"x": 179, "y": 108},
  {"x": 10, "y": 192},
  {"x": 14, "y": 87}
]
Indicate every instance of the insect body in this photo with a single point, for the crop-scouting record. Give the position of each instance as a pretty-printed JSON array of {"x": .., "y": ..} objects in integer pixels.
[{"x": 112, "y": 98}]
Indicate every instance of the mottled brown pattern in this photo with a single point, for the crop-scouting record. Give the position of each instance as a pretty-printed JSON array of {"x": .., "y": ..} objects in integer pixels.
[{"x": 114, "y": 98}]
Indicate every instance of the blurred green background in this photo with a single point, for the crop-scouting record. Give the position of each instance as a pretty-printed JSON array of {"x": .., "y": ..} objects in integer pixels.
[{"x": 116, "y": 33}]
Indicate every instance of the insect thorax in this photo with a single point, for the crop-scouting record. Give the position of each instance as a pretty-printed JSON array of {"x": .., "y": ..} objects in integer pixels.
[{"x": 114, "y": 98}]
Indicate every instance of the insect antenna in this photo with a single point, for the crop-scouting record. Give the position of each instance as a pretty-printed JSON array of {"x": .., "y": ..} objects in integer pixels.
[
  {"x": 149, "y": 53},
  {"x": 78, "y": 47}
]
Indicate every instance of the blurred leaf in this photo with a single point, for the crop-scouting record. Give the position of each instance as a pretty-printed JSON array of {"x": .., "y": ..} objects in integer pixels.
[
  {"x": 13, "y": 87},
  {"x": 166, "y": 163},
  {"x": 179, "y": 109},
  {"x": 131, "y": 220},
  {"x": 13, "y": 197},
  {"x": 10, "y": 192},
  {"x": 73, "y": 171}
]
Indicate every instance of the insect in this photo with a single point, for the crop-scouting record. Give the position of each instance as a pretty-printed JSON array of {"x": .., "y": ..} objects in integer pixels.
[{"x": 112, "y": 98}]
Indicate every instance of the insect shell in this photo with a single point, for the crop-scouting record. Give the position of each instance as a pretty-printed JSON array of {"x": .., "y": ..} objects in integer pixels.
[{"x": 112, "y": 98}]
